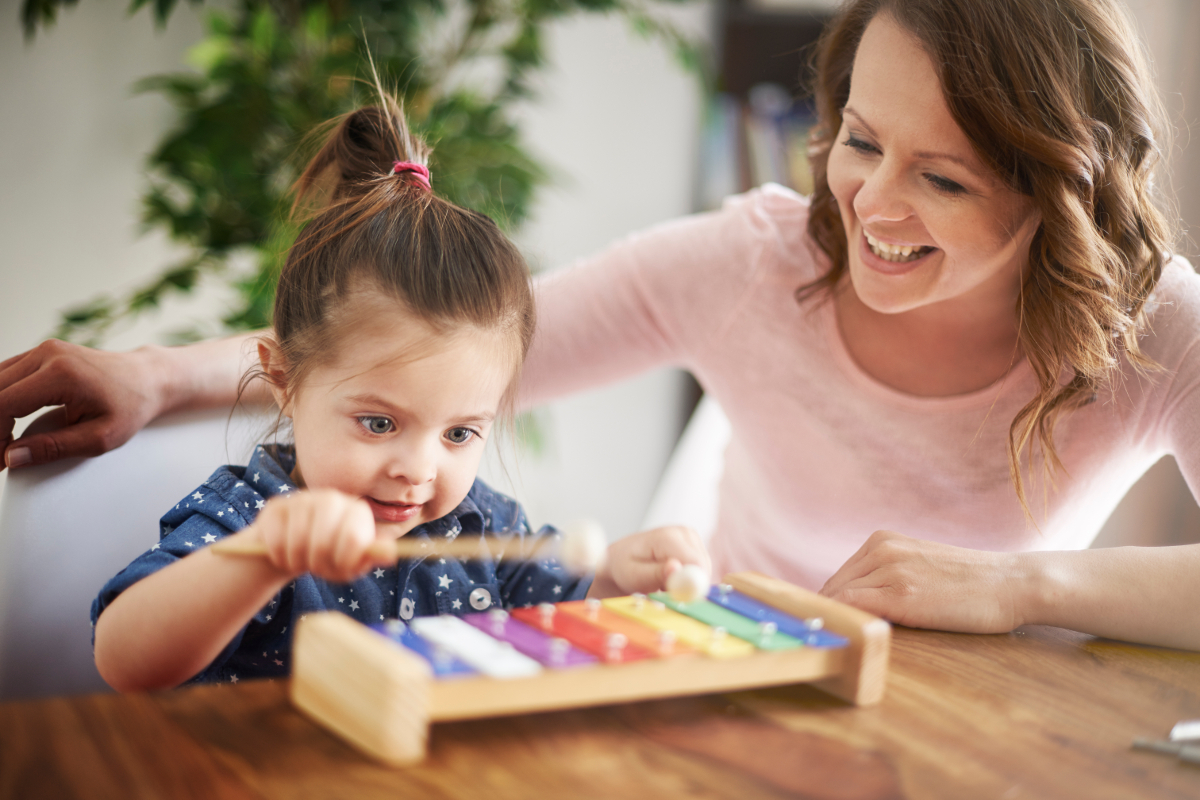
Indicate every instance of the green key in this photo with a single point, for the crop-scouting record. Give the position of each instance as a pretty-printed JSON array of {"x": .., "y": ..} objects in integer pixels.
[{"x": 761, "y": 635}]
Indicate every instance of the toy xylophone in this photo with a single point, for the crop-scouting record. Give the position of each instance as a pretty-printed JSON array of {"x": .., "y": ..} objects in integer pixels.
[{"x": 379, "y": 687}]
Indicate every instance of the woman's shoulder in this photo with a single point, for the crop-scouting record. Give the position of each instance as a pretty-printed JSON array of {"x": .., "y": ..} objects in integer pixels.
[
  {"x": 765, "y": 227},
  {"x": 1173, "y": 314},
  {"x": 769, "y": 212}
]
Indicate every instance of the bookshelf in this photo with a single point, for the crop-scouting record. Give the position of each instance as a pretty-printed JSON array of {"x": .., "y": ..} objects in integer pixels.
[{"x": 756, "y": 125}]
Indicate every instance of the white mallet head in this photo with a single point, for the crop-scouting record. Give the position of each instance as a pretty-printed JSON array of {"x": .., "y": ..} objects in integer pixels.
[
  {"x": 688, "y": 584},
  {"x": 583, "y": 547}
]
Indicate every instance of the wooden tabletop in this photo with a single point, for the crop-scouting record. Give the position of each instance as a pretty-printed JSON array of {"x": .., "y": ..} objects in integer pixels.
[{"x": 1039, "y": 713}]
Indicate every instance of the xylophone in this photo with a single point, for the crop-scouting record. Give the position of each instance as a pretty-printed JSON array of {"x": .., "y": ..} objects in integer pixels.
[{"x": 380, "y": 687}]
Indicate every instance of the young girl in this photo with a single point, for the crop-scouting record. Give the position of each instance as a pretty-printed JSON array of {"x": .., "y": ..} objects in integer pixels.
[{"x": 401, "y": 322}]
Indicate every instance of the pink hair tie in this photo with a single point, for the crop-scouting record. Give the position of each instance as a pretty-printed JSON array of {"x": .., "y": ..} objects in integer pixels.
[{"x": 420, "y": 171}]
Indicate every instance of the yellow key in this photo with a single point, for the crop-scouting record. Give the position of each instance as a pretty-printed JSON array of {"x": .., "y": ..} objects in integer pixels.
[{"x": 654, "y": 614}]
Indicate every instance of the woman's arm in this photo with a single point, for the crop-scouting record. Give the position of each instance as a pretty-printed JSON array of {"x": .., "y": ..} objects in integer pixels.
[
  {"x": 1149, "y": 595},
  {"x": 108, "y": 397}
]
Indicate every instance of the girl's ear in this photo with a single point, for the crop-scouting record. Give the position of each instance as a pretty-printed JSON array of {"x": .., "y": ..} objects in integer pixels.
[{"x": 270, "y": 358}]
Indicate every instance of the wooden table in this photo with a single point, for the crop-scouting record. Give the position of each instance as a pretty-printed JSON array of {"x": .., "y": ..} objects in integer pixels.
[{"x": 1039, "y": 713}]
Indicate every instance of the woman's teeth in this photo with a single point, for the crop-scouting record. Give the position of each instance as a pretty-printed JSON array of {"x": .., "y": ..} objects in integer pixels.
[{"x": 897, "y": 253}]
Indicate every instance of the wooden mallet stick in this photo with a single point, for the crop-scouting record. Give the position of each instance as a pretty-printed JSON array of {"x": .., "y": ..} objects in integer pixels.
[{"x": 580, "y": 548}]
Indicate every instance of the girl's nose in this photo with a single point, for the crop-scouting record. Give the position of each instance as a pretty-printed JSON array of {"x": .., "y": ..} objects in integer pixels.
[
  {"x": 881, "y": 198},
  {"x": 413, "y": 462}
]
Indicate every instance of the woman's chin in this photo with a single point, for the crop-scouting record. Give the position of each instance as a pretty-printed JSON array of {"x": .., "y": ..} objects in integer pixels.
[{"x": 888, "y": 296}]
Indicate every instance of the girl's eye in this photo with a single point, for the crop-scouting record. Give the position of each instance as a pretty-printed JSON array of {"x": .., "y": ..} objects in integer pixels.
[
  {"x": 460, "y": 435},
  {"x": 944, "y": 185},
  {"x": 860, "y": 145},
  {"x": 377, "y": 425}
]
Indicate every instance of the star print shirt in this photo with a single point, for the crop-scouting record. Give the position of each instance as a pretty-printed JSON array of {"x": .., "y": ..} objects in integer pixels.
[{"x": 231, "y": 498}]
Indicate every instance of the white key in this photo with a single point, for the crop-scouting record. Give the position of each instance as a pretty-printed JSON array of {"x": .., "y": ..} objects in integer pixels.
[{"x": 491, "y": 657}]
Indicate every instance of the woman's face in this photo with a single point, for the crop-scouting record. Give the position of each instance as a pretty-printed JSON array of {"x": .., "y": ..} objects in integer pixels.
[{"x": 926, "y": 222}]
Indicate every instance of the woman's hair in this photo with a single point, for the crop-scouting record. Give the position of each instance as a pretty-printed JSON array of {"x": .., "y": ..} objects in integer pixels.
[
  {"x": 1057, "y": 100},
  {"x": 374, "y": 225}
]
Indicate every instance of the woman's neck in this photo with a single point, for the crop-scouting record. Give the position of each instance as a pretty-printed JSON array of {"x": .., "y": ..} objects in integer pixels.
[{"x": 935, "y": 351}]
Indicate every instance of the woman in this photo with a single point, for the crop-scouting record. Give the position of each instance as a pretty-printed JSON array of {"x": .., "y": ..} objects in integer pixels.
[{"x": 971, "y": 336}]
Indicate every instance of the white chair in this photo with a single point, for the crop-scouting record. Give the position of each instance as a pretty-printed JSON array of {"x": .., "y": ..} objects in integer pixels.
[
  {"x": 67, "y": 527},
  {"x": 687, "y": 492}
]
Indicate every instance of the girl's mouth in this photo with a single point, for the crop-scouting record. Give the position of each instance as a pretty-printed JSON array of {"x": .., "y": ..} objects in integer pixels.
[{"x": 392, "y": 512}]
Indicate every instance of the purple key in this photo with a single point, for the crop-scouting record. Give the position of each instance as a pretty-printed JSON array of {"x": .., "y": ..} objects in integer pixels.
[{"x": 549, "y": 651}]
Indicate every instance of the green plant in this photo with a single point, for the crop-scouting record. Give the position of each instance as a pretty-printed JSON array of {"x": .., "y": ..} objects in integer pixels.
[{"x": 268, "y": 71}]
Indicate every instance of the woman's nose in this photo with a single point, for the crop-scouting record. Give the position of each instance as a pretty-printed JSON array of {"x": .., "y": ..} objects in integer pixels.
[{"x": 881, "y": 198}]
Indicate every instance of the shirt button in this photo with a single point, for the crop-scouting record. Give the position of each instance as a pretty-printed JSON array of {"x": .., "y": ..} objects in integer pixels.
[
  {"x": 406, "y": 608},
  {"x": 480, "y": 599}
]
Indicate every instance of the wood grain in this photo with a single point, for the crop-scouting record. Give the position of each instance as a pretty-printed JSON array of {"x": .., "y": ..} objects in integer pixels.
[{"x": 1039, "y": 713}]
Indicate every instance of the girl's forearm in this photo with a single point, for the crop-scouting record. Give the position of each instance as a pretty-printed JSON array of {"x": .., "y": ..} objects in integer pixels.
[
  {"x": 203, "y": 375},
  {"x": 1149, "y": 595},
  {"x": 166, "y": 628}
]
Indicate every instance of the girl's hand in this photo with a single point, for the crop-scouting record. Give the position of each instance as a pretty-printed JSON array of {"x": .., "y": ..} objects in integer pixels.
[
  {"x": 930, "y": 585},
  {"x": 642, "y": 562},
  {"x": 322, "y": 531}
]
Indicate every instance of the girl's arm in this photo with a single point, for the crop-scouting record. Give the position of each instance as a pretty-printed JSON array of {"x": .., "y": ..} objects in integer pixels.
[
  {"x": 1148, "y": 595},
  {"x": 108, "y": 397},
  {"x": 168, "y": 626}
]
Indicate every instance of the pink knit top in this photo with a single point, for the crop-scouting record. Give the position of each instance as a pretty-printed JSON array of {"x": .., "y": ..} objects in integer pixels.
[{"x": 821, "y": 454}]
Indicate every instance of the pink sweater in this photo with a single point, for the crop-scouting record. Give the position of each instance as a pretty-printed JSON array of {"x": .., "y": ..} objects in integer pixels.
[{"x": 821, "y": 454}]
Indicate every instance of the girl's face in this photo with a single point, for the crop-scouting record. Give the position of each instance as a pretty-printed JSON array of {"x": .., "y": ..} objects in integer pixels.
[
  {"x": 926, "y": 221},
  {"x": 399, "y": 416}
]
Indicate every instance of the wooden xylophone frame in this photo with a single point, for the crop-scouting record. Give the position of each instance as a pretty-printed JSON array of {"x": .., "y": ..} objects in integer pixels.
[{"x": 381, "y": 698}]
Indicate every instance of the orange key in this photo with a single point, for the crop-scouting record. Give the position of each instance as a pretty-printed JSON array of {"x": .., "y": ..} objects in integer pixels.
[
  {"x": 609, "y": 646},
  {"x": 662, "y": 643}
]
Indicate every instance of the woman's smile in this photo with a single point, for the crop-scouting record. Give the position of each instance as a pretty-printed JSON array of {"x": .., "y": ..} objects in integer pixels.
[{"x": 893, "y": 259}]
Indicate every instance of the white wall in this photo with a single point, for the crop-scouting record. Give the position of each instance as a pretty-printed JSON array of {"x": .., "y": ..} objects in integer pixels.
[{"x": 74, "y": 139}]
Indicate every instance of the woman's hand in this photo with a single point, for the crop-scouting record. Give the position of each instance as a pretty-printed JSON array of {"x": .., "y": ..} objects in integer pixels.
[
  {"x": 642, "y": 562},
  {"x": 105, "y": 398},
  {"x": 322, "y": 531},
  {"x": 930, "y": 585}
]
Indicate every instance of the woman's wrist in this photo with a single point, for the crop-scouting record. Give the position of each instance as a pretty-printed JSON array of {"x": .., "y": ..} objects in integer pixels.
[
  {"x": 202, "y": 375},
  {"x": 1038, "y": 588},
  {"x": 157, "y": 370}
]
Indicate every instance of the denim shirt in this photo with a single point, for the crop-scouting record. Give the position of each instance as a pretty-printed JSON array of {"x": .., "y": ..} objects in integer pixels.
[{"x": 229, "y": 501}]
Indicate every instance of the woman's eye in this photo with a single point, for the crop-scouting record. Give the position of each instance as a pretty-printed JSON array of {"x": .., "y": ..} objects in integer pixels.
[
  {"x": 460, "y": 435},
  {"x": 945, "y": 185},
  {"x": 860, "y": 145},
  {"x": 376, "y": 424}
]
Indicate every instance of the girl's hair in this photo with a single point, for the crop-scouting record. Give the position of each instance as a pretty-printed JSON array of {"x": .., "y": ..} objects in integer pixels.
[
  {"x": 375, "y": 225},
  {"x": 1057, "y": 100}
]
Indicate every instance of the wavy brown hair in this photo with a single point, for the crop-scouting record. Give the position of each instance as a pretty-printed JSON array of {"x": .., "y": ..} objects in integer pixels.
[{"x": 1057, "y": 100}]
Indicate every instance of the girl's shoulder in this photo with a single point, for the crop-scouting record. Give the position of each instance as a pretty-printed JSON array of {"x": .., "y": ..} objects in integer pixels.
[{"x": 498, "y": 513}]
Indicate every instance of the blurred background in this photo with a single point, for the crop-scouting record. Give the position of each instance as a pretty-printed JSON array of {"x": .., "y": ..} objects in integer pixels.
[{"x": 629, "y": 138}]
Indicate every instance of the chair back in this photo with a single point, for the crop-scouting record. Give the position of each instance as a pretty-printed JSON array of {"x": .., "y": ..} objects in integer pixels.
[
  {"x": 687, "y": 492},
  {"x": 67, "y": 527}
]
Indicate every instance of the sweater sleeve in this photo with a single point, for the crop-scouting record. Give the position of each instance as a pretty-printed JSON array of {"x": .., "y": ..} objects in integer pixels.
[
  {"x": 1176, "y": 347},
  {"x": 655, "y": 298}
]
